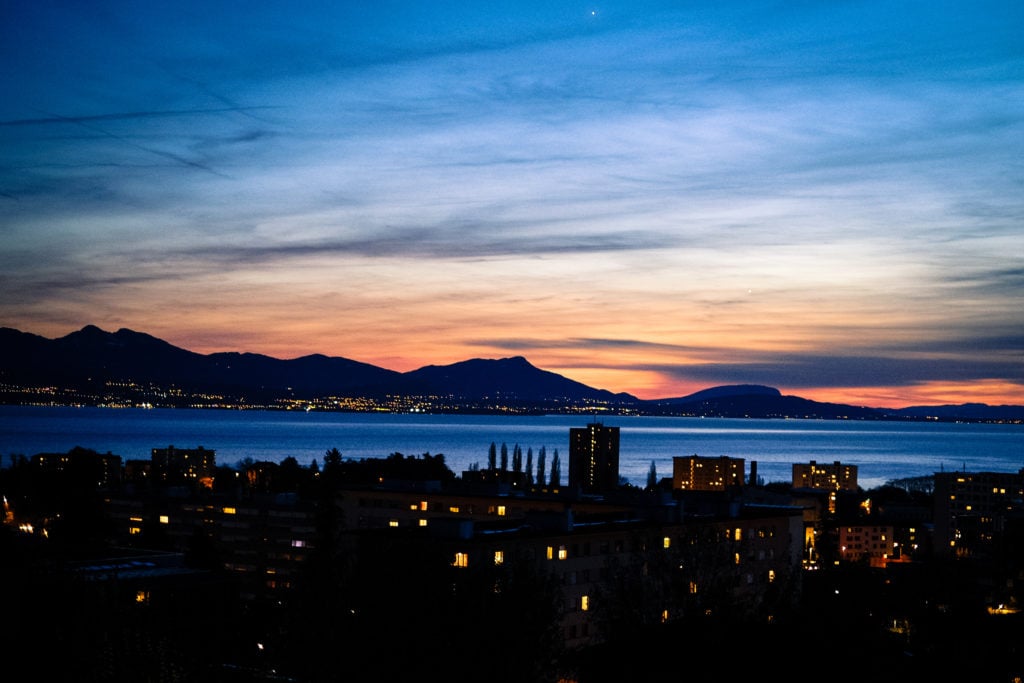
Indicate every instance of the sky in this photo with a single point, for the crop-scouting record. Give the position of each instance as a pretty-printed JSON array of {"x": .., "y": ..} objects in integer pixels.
[{"x": 647, "y": 197}]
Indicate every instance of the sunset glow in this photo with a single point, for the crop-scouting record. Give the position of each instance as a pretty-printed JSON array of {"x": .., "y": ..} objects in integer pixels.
[{"x": 652, "y": 198}]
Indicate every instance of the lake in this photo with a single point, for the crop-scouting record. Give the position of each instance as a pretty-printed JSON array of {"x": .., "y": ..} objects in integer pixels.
[{"x": 882, "y": 450}]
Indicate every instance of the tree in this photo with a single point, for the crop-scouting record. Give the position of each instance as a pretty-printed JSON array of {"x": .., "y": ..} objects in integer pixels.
[
  {"x": 492, "y": 457},
  {"x": 517, "y": 459},
  {"x": 556, "y": 469},
  {"x": 540, "y": 466},
  {"x": 504, "y": 456},
  {"x": 529, "y": 465},
  {"x": 652, "y": 478}
]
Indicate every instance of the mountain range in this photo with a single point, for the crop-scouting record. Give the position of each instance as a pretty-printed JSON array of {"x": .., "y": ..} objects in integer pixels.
[{"x": 94, "y": 363}]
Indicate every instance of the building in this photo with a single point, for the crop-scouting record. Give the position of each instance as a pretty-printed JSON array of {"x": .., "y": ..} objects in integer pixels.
[
  {"x": 183, "y": 466},
  {"x": 972, "y": 510},
  {"x": 871, "y": 543},
  {"x": 594, "y": 458},
  {"x": 102, "y": 470},
  {"x": 696, "y": 473},
  {"x": 834, "y": 477}
]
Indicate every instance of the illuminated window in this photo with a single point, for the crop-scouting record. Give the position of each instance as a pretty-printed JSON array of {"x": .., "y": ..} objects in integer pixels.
[
  {"x": 141, "y": 597},
  {"x": 771, "y": 575},
  {"x": 499, "y": 557},
  {"x": 461, "y": 560},
  {"x": 664, "y": 615},
  {"x": 550, "y": 553},
  {"x": 693, "y": 588},
  {"x": 562, "y": 552},
  {"x": 229, "y": 511},
  {"x": 393, "y": 523},
  {"x": 737, "y": 534},
  {"x": 501, "y": 510},
  {"x": 298, "y": 543},
  {"x": 584, "y": 602},
  {"x": 423, "y": 522},
  {"x": 423, "y": 505},
  {"x": 737, "y": 558},
  {"x": 453, "y": 508},
  {"x": 134, "y": 530},
  {"x": 666, "y": 542},
  {"x": 164, "y": 519},
  {"x": 414, "y": 507}
]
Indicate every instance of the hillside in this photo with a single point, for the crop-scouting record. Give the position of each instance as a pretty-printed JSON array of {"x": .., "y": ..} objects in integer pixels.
[{"x": 92, "y": 366}]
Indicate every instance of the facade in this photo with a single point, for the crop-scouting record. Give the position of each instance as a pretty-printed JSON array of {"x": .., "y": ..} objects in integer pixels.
[
  {"x": 696, "y": 473},
  {"x": 183, "y": 466},
  {"x": 834, "y": 477},
  {"x": 972, "y": 510},
  {"x": 594, "y": 458},
  {"x": 874, "y": 544}
]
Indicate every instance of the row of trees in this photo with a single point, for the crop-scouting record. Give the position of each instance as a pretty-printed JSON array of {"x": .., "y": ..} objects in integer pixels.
[{"x": 542, "y": 476}]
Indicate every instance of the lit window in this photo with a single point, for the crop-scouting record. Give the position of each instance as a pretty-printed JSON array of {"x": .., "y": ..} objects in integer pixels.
[
  {"x": 164, "y": 519},
  {"x": 499, "y": 557},
  {"x": 738, "y": 534},
  {"x": 666, "y": 542},
  {"x": 584, "y": 602},
  {"x": 134, "y": 530},
  {"x": 229, "y": 511},
  {"x": 142, "y": 597},
  {"x": 550, "y": 553},
  {"x": 453, "y": 508},
  {"x": 693, "y": 588},
  {"x": 423, "y": 505},
  {"x": 501, "y": 510},
  {"x": 393, "y": 523},
  {"x": 737, "y": 558},
  {"x": 562, "y": 552},
  {"x": 771, "y": 575},
  {"x": 298, "y": 543},
  {"x": 414, "y": 507},
  {"x": 664, "y": 615},
  {"x": 461, "y": 560},
  {"x": 423, "y": 522}
]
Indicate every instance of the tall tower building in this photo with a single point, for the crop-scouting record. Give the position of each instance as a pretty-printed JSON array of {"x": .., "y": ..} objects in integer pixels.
[{"x": 594, "y": 458}]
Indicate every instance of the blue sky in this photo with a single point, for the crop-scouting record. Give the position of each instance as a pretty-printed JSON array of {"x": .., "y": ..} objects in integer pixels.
[{"x": 648, "y": 197}]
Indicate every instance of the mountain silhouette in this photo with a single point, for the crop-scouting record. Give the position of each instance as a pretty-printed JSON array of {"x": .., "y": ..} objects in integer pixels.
[{"x": 93, "y": 360}]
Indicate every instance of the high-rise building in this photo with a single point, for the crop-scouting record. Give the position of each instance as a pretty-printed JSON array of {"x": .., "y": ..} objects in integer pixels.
[
  {"x": 594, "y": 458},
  {"x": 696, "y": 473},
  {"x": 834, "y": 477}
]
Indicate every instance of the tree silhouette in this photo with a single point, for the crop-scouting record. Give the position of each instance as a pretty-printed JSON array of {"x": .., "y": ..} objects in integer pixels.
[
  {"x": 504, "y": 456},
  {"x": 556, "y": 469},
  {"x": 492, "y": 457},
  {"x": 540, "y": 466},
  {"x": 529, "y": 465},
  {"x": 652, "y": 478}
]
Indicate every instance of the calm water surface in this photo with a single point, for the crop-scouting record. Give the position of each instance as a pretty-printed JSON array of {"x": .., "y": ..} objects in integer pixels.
[{"x": 881, "y": 450}]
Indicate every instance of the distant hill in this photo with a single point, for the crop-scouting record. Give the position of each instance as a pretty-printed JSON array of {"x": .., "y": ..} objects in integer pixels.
[
  {"x": 964, "y": 411},
  {"x": 754, "y": 400},
  {"x": 93, "y": 360},
  {"x": 507, "y": 378}
]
